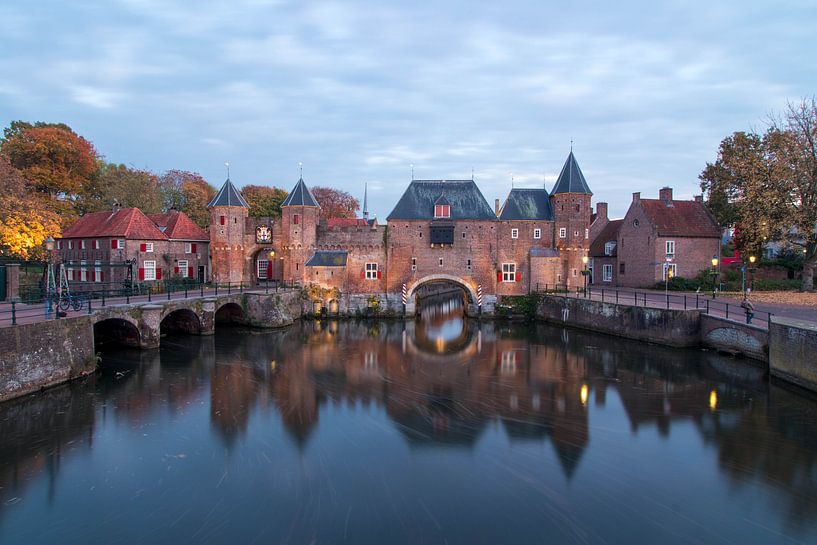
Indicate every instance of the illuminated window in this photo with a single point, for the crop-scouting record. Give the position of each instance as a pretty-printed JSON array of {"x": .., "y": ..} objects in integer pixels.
[{"x": 442, "y": 211}]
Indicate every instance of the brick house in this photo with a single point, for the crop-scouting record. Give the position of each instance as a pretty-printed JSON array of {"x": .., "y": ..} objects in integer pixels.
[
  {"x": 604, "y": 254},
  {"x": 660, "y": 234},
  {"x": 113, "y": 246}
]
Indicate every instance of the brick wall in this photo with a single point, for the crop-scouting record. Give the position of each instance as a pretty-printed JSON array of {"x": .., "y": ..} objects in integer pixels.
[{"x": 227, "y": 244}]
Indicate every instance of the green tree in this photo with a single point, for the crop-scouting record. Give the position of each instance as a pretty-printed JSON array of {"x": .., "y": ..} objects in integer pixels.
[
  {"x": 118, "y": 183},
  {"x": 264, "y": 201},
  {"x": 188, "y": 192}
]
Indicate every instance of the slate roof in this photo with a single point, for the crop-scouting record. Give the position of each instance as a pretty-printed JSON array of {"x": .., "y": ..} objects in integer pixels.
[
  {"x": 464, "y": 197},
  {"x": 527, "y": 204},
  {"x": 300, "y": 196},
  {"x": 681, "y": 218},
  {"x": 327, "y": 258},
  {"x": 571, "y": 179},
  {"x": 228, "y": 195},
  {"x": 129, "y": 223},
  {"x": 176, "y": 225},
  {"x": 609, "y": 233}
]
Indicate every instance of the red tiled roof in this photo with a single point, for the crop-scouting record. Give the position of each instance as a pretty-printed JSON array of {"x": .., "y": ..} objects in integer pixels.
[
  {"x": 610, "y": 232},
  {"x": 346, "y": 222},
  {"x": 128, "y": 223},
  {"x": 681, "y": 218},
  {"x": 178, "y": 226}
]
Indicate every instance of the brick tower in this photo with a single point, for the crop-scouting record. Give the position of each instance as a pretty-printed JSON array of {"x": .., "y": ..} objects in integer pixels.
[
  {"x": 228, "y": 214},
  {"x": 300, "y": 213},
  {"x": 570, "y": 199}
]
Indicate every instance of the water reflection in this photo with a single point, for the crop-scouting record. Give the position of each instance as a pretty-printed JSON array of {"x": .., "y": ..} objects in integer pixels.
[{"x": 378, "y": 425}]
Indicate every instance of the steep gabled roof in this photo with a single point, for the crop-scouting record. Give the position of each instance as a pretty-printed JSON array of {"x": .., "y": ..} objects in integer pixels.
[
  {"x": 176, "y": 225},
  {"x": 327, "y": 258},
  {"x": 681, "y": 218},
  {"x": 571, "y": 179},
  {"x": 228, "y": 195},
  {"x": 608, "y": 234},
  {"x": 300, "y": 196},
  {"x": 527, "y": 204},
  {"x": 464, "y": 197},
  {"x": 128, "y": 223}
]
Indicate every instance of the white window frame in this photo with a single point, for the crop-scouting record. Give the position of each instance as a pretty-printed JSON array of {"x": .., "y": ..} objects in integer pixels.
[
  {"x": 83, "y": 271},
  {"x": 188, "y": 247},
  {"x": 576, "y": 233},
  {"x": 261, "y": 271},
  {"x": 670, "y": 247},
  {"x": 562, "y": 232},
  {"x": 371, "y": 271},
  {"x": 413, "y": 264},
  {"x": 442, "y": 210},
  {"x": 673, "y": 266},
  {"x": 150, "y": 270},
  {"x": 509, "y": 272},
  {"x": 607, "y": 272},
  {"x": 183, "y": 268},
  {"x": 537, "y": 233},
  {"x": 514, "y": 233},
  {"x": 575, "y": 273},
  {"x": 468, "y": 264},
  {"x": 587, "y": 233},
  {"x": 82, "y": 244},
  {"x": 609, "y": 246},
  {"x": 70, "y": 244},
  {"x": 120, "y": 244},
  {"x": 59, "y": 245},
  {"x": 97, "y": 270},
  {"x": 148, "y": 247}
]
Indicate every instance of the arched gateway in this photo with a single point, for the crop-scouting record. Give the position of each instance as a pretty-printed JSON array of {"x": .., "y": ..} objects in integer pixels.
[{"x": 467, "y": 287}]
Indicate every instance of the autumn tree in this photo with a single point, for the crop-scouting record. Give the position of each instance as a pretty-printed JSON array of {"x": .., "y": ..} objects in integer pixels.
[
  {"x": 765, "y": 185},
  {"x": 335, "y": 203},
  {"x": 264, "y": 201},
  {"x": 54, "y": 161},
  {"x": 120, "y": 184},
  {"x": 188, "y": 192}
]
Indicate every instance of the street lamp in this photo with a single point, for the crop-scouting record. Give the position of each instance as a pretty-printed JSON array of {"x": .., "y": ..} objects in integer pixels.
[
  {"x": 585, "y": 272},
  {"x": 752, "y": 270},
  {"x": 49, "y": 275},
  {"x": 714, "y": 273}
]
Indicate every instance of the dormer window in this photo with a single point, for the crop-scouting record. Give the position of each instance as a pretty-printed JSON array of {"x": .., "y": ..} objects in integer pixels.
[
  {"x": 609, "y": 247},
  {"x": 442, "y": 211}
]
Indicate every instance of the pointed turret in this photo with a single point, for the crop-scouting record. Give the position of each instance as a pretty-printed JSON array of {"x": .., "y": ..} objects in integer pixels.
[
  {"x": 228, "y": 195},
  {"x": 300, "y": 196},
  {"x": 300, "y": 214},
  {"x": 571, "y": 179},
  {"x": 228, "y": 216}
]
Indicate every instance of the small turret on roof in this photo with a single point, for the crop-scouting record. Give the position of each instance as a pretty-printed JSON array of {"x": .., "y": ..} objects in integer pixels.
[
  {"x": 571, "y": 179},
  {"x": 228, "y": 195},
  {"x": 300, "y": 196}
]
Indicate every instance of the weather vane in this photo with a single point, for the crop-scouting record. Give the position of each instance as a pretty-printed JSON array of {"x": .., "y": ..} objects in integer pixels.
[
  {"x": 301, "y": 168},
  {"x": 412, "y": 170},
  {"x": 227, "y": 164}
]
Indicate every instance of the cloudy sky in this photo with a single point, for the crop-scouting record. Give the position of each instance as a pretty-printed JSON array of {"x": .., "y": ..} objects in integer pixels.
[{"x": 359, "y": 91}]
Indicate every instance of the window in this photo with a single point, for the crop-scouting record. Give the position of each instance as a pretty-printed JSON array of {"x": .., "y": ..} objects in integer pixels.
[
  {"x": 672, "y": 268},
  {"x": 468, "y": 265},
  {"x": 670, "y": 248},
  {"x": 188, "y": 248},
  {"x": 463, "y": 234},
  {"x": 607, "y": 273},
  {"x": 148, "y": 247},
  {"x": 621, "y": 268},
  {"x": 97, "y": 270},
  {"x": 537, "y": 233},
  {"x": 183, "y": 268},
  {"x": 509, "y": 272},
  {"x": 587, "y": 233},
  {"x": 635, "y": 223},
  {"x": 413, "y": 264},
  {"x": 295, "y": 219},
  {"x": 120, "y": 244},
  {"x": 59, "y": 245},
  {"x": 575, "y": 273},
  {"x": 441, "y": 262},
  {"x": 96, "y": 244},
  {"x": 81, "y": 244},
  {"x": 442, "y": 211},
  {"x": 576, "y": 233},
  {"x": 578, "y": 208},
  {"x": 83, "y": 271},
  {"x": 222, "y": 220},
  {"x": 559, "y": 278},
  {"x": 371, "y": 271},
  {"x": 150, "y": 270},
  {"x": 514, "y": 233},
  {"x": 70, "y": 244},
  {"x": 609, "y": 247},
  {"x": 562, "y": 232}
]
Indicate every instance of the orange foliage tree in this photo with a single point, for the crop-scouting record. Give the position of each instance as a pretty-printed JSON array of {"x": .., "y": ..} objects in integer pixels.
[
  {"x": 188, "y": 192},
  {"x": 264, "y": 201},
  {"x": 335, "y": 203}
]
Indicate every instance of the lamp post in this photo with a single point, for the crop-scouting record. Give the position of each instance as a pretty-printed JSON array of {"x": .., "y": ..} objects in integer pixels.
[
  {"x": 714, "y": 273},
  {"x": 585, "y": 272},
  {"x": 49, "y": 276},
  {"x": 271, "y": 260},
  {"x": 752, "y": 270}
]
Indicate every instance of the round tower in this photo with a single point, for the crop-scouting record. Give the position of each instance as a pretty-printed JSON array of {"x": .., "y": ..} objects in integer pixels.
[
  {"x": 300, "y": 213},
  {"x": 228, "y": 215},
  {"x": 570, "y": 200}
]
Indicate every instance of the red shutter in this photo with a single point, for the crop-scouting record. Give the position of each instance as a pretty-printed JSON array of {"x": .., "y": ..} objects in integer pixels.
[
  {"x": 295, "y": 219},
  {"x": 175, "y": 270},
  {"x": 93, "y": 275},
  {"x": 378, "y": 275},
  {"x": 518, "y": 277},
  {"x": 363, "y": 274},
  {"x": 158, "y": 274},
  {"x": 143, "y": 247},
  {"x": 141, "y": 273},
  {"x": 193, "y": 248},
  {"x": 223, "y": 220},
  {"x": 190, "y": 272},
  {"x": 269, "y": 270},
  {"x": 113, "y": 244},
  {"x": 101, "y": 276},
  {"x": 499, "y": 276}
]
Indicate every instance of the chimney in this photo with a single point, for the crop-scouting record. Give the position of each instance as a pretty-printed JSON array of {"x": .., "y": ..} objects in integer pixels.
[
  {"x": 637, "y": 197},
  {"x": 115, "y": 207},
  {"x": 665, "y": 194},
  {"x": 699, "y": 198},
  {"x": 496, "y": 207},
  {"x": 601, "y": 210}
]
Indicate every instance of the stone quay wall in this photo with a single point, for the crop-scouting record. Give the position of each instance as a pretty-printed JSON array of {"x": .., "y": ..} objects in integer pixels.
[{"x": 793, "y": 351}]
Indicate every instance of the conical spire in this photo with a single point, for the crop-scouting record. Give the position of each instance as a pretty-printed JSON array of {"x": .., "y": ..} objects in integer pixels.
[
  {"x": 571, "y": 179},
  {"x": 365, "y": 200},
  {"x": 228, "y": 195},
  {"x": 300, "y": 196}
]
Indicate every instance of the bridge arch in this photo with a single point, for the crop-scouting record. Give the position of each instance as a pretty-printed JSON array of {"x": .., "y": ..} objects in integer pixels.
[
  {"x": 230, "y": 313},
  {"x": 431, "y": 278},
  {"x": 117, "y": 331},
  {"x": 181, "y": 320}
]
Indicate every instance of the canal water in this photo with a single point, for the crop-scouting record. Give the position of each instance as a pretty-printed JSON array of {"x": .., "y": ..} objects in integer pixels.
[{"x": 443, "y": 430}]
